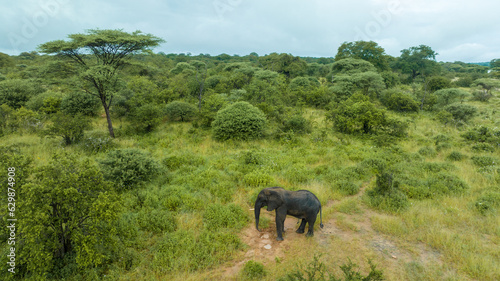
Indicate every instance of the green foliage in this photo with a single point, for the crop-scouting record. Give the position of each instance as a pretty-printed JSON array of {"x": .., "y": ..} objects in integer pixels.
[
  {"x": 483, "y": 136},
  {"x": 83, "y": 103},
  {"x": 461, "y": 112},
  {"x": 68, "y": 209},
  {"x": 240, "y": 121},
  {"x": 365, "y": 50},
  {"x": 398, "y": 101},
  {"x": 455, "y": 156},
  {"x": 317, "y": 271},
  {"x": 427, "y": 151},
  {"x": 358, "y": 115},
  {"x": 183, "y": 250},
  {"x": 128, "y": 167},
  {"x": 70, "y": 128},
  {"x": 489, "y": 202},
  {"x": 180, "y": 111},
  {"x": 17, "y": 92},
  {"x": 449, "y": 96},
  {"x": 347, "y": 187},
  {"x": 298, "y": 124},
  {"x": 483, "y": 161},
  {"x": 96, "y": 143},
  {"x": 211, "y": 105},
  {"x": 253, "y": 271},
  {"x": 146, "y": 118},
  {"x": 157, "y": 220},
  {"x": 217, "y": 216},
  {"x": 258, "y": 178},
  {"x": 46, "y": 102},
  {"x": 387, "y": 195},
  {"x": 438, "y": 82}
]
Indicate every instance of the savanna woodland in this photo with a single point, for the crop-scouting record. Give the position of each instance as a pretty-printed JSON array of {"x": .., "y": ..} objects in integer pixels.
[{"x": 125, "y": 164}]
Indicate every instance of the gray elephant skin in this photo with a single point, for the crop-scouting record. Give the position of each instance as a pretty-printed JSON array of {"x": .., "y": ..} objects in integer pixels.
[{"x": 301, "y": 204}]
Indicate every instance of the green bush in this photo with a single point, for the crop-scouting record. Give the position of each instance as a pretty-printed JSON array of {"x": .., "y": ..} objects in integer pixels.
[
  {"x": 253, "y": 157},
  {"x": 461, "y": 112},
  {"x": 455, "y": 156},
  {"x": 16, "y": 92},
  {"x": 180, "y": 111},
  {"x": 183, "y": 250},
  {"x": 489, "y": 202},
  {"x": 347, "y": 187},
  {"x": 438, "y": 82},
  {"x": 387, "y": 194},
  {"x": 258, "y": 178},
  {"x": 298, "y": 124},
  {"x": 316, "y": 271},
  {"x": 146, "y": 118},
  {"x": 47, "y": 102},
  {"x": 241, "y": 121},
  {"x": 82, "y": 103},
  {"x": 217, "y": 216},
  {"x": 70, "y": 128},
  {"x": 128, "y": 167},
  {"x": 398, "y": 101},
  {"x": 157, "y": 220},
  {"x": 97, "y": 142},
  {"x": 253, "y": 271},
  {"x": 175, "y": 161},
  {"x": 483, "y": 161},
  {"x": 427, "y": 151},
  {"x": 449, "y": 96}
]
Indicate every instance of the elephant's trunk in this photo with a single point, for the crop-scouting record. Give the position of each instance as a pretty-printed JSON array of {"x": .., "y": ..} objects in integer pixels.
[{"x": 257, "y": 207}]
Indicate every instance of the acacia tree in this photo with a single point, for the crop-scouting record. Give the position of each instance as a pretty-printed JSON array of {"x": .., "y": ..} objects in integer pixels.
[{"x": 101, "y": 54}]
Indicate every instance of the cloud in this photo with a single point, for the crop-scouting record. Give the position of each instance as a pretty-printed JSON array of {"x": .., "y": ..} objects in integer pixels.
[{"x": 306, "y": 28}]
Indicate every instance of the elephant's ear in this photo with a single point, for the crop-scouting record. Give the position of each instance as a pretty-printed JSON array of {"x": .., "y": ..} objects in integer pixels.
[{"x": 274, "y": 200}]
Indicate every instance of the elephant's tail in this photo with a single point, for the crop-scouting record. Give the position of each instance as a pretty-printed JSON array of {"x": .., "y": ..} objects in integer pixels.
[{"x": 320, "y": 217}]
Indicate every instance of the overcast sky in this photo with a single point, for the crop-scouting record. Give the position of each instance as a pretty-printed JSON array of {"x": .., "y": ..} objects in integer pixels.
[{"x": 460, "y": 30}]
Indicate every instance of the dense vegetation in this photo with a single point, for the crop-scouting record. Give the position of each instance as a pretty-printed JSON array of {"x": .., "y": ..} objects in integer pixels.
[{"x": 411, "y": 143}]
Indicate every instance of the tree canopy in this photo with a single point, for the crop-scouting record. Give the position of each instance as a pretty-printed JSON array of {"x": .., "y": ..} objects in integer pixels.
[{"x": 108, "y": 50}]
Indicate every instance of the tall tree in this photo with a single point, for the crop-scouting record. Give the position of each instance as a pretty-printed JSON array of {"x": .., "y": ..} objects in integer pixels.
[
  {"x": 418, "y": 61},
  {"x": 365, "y": 50},
  {"x": 101, "y": 54}
]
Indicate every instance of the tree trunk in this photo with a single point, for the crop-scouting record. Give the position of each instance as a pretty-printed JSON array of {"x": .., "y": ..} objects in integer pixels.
[{"x": 108, "y": 118}]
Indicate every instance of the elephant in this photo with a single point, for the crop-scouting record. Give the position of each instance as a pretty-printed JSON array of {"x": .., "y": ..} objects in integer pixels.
[{"x": 301, "y": 204}]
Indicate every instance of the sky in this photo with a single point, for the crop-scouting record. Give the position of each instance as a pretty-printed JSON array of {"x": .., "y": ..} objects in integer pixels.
[{"x": 460, "y": 30}]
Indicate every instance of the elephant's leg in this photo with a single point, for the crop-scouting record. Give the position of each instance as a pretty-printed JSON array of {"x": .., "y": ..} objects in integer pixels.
[
  {"x": 280, "y": 224},
  {"x": 311, "y": 220},
  {"x": 302, "y": 226}
]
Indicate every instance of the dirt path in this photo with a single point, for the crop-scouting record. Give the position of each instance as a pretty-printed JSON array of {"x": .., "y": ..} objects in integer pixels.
[{"x": 349, "y": 229}]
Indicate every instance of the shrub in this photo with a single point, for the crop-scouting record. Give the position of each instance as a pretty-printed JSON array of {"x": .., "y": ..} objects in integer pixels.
[
  {"x": 175, "y": 161},
  {"x": 239, "y": 121},
  {"x": 70, "y": 128},
  {"x": 357, "y": 115},
  {"x": 427, "y": 151},
  {"x": 82, "y": 103},
  {"x": 16, "y": 92},
  {"x": 183, "y": 250},
  {"x": 455, "y": 156},
  {"x": 258, "y": 178},
  {"x": 449, "y": 96},
  {"x": 97, "y": 142},
  {"x": 218, "y": 216},
  {"x": 399, "y": 101},
  {"x": 387, "y": 195},
  {"x": 157, "y": 220},
  {"x": 47, "y": 102},
  {"x": 298, "y": 124},
  {"x": 483, "y": 161},
  {"x": 488, "y": 202},
  {"x": 128, "y": 167},
  {"x": 438, "y": 82},
  {"x": 146, "y": 118},
  {"x": 316, "y": 270},
  {"x": 180, "y": 111},
  {"x": 461, "y": 112},
  {"x": 253, "y": 271},
  {"x": 347, "y": 187},
  {"x": 253, "y": 157}
]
